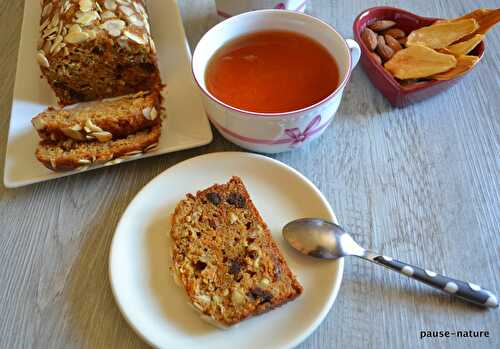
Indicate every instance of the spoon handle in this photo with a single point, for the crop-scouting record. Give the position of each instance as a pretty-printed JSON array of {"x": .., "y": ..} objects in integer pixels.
[{"x": 465, "y": 290}]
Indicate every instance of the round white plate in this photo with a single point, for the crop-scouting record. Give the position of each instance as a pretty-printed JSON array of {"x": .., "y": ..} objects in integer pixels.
[{"x": 140, "y": 256}]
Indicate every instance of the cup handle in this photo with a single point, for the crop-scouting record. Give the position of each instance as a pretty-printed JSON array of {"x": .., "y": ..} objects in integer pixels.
[{"x": 355, "y": 51}]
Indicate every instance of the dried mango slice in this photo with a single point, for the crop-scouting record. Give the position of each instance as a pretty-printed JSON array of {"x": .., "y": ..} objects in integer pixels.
[
  {"x": 464, "y": 47},
  {"x": 486, "y": 18},
  {"x": 464, "y": 64},
  {"x": 419, "y": 62},
  {"x": 442, "y": 34}
]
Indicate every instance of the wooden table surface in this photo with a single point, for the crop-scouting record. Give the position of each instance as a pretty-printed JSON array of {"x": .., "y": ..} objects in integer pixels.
[{"x": 420, "y": 183}]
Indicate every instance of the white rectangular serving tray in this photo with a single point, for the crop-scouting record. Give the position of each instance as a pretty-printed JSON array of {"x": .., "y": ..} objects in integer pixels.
[{"x": 186, "y": 125}]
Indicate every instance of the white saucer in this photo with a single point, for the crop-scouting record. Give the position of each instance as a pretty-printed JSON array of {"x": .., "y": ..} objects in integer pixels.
[{"x": 140, "y": 256}]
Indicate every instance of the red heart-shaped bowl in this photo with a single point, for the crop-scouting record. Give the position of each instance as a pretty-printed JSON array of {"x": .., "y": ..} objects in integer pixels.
[{"x": 399, "y": 95}]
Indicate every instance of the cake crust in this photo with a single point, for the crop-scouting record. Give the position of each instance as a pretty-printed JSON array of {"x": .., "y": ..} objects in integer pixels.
[{"x": 225, "y": 257}]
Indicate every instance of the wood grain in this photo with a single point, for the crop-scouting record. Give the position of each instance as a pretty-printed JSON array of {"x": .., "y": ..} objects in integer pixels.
[{"x": 420, "y": 183}]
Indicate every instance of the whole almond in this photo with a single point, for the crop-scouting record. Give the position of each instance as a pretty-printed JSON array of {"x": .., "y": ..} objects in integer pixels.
[
  {"x": 392, "y": 43},
  {"x": 369, "y": 38},
  {"x": 381, "y": 25},
  {"x": 376, "y": 57},
  {"x": 380, "y": 40},
  {"x": 402, "y": 41},
  {"x": 396, "y": 33},
  {"x": 385, "y": 52}
]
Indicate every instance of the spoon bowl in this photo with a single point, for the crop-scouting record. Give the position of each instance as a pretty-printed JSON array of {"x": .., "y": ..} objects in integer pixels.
[{"x": 321, "y": 239}]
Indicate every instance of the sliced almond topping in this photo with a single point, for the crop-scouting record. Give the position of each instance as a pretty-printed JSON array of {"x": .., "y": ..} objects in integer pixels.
[
  {"x": 82, "y": 168},
  {"x": 154, "y": 113},
  {"x": 107, "y": 15},
  {"x": 87, "y": 18},
  {"x": 85, "y": 5},
  {"x": 113, "y": 162},
  {"x": 139, "y": 8},
  {"x": 49, "y": 31},
  {"x": 47, "y": 9},
  {"x": 76, "y": 37},
  {"x": 57, "y": 41},
  {"x": 73, "y": 134},
  {"x": 84, "y": 162},
  {"x": 75, "y": 28},
  {"x": 54, "y": 22},
  {"x": 127, "y": 11},
  {"x": 110, "y": 5},
  {"x": 42, "y": 60},
  {"x": 44, "y": 24},
  {"x": 89, "y": 125},
  {"x": 152, "y": 45},
  {"x": 133, "y": 152},
  {"x": 38, "y": 123},
  {"x": 59, "y": 47},
  {"x": 134, "y": 20},
  {"x": 67, "y": 6},
  {"x": 134, "y": 37},
  {"x": 114, "y": 27},
  {"x": 92, "y": 34},
  {"x": 147, "y": 113},
  {"x": 103, "y": 136},
  {"x": 150, "y": 147}
]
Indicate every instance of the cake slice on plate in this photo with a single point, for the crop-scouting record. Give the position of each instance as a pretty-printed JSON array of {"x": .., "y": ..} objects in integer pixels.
[{"x": 225, "y": 257}]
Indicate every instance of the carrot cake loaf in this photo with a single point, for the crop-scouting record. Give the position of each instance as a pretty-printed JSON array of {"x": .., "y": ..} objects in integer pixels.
[
  {"x": 95, "y": 49},
  {"x": 225, "y": 257}
]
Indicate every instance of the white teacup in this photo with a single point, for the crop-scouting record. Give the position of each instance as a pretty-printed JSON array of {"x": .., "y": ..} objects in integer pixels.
[
  {"x": 274, "y": 132},
  {"x": 229, "y": 8}
]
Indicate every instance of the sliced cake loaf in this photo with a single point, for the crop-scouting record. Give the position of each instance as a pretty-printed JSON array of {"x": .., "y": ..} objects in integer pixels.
[
  {"x": 100, "y": 120},
  {"x": 69, "y": 154},
  {"x": 225, "y": 257},
  {"x": 95, "y": 49}
]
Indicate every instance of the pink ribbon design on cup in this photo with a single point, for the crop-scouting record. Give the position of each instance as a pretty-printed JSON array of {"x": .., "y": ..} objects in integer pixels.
[
  {"x": 280, "y": 6},
  {"x": 296, "y": 137}
]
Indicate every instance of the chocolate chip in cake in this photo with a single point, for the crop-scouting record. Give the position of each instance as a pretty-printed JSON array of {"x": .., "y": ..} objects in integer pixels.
[
  {"x": 200, "y": 266},
  {"x": 259, "y": 293},
  {"x": 212, "y": 223},
  {"x": 253, "y": 254},
  {"x": 234, "y": 267},
  {"x": 236, "y": 199},
  {"x": 214, "y": 198}
]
